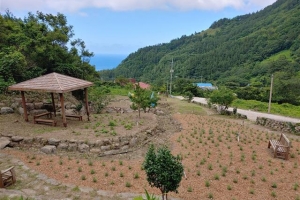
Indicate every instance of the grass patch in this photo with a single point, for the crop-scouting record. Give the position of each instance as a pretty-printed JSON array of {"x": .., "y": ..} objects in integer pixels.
[{"x": 185, "y": 108}]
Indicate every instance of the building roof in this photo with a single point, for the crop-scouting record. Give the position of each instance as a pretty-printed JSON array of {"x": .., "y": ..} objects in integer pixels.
[
  {"x": 53, "y": 82},
  {"x": 144, "y": 85},
  {"x": 204, "y": 84}
]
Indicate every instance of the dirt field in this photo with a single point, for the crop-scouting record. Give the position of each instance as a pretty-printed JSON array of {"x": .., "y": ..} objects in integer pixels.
[{"x": 217, "y": 165}]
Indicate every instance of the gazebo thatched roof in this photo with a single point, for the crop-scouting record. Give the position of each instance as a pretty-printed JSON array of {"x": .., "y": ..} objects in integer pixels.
[{"x": 52, "y": 83}]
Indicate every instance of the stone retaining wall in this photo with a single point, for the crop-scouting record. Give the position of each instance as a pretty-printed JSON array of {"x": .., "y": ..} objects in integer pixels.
[
  {"x": 107, "y": 146},
  {"x": 279, "y": 125}
]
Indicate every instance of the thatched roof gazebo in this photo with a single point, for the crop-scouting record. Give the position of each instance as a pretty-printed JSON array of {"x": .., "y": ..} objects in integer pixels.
[{"x": 53, "y": 83}]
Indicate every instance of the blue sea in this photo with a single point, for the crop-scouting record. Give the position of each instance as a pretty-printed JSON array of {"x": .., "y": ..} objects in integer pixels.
[{"x": 106, "y": 61}]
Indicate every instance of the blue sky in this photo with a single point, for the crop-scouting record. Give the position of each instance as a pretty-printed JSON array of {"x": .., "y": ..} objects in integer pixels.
[{"x": 124, "y": 26}]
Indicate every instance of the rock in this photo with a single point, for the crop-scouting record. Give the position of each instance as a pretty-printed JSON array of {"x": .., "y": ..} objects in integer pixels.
[
  {"x": 53, "y": 141},
  {"x": 125, "y": 147},
  {"x": 99, "y": 143},
  {"x": 95, "y": 150},
  {"x": 17, "y": 138},
  {"x": 29, "y": 106},
  {"x": 18, "y": 100},
  {"x": 62, "y": 146},
  {"x": 38, "y": 106},
  {"x": 105, "y": 148},
  {"x": 38, "y": 111},
  {"x": 111, "y": 152},
  {"x": 91, "y": 143},
  {"x": 159, "y": 112},
  {"x": 5, "y": 138},
  {"x": 86, "y": 189},
  {"x": 13, "y": 144},
  {"x": 116, "y": 139},
  {"x": 116, "y": 146},
  {"x": 83, "y": 148},
  {"x": 27, "y": 140},
  {"x": 15, "y": 105},
  {"x": 106, "y": 142},
  {"x": 68, "y": 105},
  {"x": 126, "y": 142},
  {"x": 48, "y": 149},
  {"x": 21, "y": 111},
  {"x": 6, "y": 110},
  {"x": 72, "y": 147},
  {"x": 3, "y": 143},
  {"x": 70, "y": 112},
  {"x": 133, "y": 142}
]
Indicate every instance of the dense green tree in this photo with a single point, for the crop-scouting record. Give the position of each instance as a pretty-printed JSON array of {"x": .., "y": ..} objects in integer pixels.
[
  {"x": 223, "y": 97},
  {"x": 163, "y": 170},
  {"x": 38, "y": 45},
  {"x": 142, "y": 99}
]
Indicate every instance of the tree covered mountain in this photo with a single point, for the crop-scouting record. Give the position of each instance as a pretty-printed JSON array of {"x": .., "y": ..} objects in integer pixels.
[
  {"x": 236, "y": 52},
  {"x": 37, "y": 45}
]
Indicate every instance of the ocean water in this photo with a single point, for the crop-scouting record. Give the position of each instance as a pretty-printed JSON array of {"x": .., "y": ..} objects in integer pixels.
[{"x": 106, "y": 61}]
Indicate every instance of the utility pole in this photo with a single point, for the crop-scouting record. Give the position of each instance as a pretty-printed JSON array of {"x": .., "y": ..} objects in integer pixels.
[
  {"x": 270, "y": 98},
  {"x": 171, "y": 72},
  {"x": 201, "y": 78}
]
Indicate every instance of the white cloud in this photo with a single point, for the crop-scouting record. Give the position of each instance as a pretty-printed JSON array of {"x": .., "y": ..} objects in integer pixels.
[{"x": 123, "y": 5}]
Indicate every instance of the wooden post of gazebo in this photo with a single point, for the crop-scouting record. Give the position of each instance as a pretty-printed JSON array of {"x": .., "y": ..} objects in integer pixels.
[
  {"x": 24, "y": 106},
  {"x": 63, "y": 113},
  {"x": 87, "y": 103},
  {"x": 53, "y": 104}
]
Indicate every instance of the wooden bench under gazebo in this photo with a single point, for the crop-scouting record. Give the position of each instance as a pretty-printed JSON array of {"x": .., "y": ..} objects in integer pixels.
[{"x": 53, "y": 83}]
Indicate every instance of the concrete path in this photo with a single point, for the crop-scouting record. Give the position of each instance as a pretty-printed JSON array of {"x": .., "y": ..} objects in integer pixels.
[{"x": 251, "y": 115}]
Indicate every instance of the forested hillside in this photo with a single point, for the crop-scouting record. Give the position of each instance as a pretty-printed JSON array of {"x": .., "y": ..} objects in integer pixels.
[
  {"x": 40, "y": 44},
  {"x": 238, "y": 52}
]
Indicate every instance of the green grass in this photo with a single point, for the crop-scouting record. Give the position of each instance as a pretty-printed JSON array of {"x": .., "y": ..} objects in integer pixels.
[
  {"x": 118, "y": 91},
  {"x": 286, "y": 53},
  {"x": 184, "y": 107},
  {"x": 284, "y": 109}
]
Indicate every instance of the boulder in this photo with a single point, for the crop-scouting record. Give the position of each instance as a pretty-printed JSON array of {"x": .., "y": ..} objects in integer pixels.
[
  {"x": 62, "y": 146},
  {"x": 133, "y": 142},
  {"x": 111, "y": 152},
  {"x": 21, "y": 111},
  {"x": 83, "y": 148},
  {"x": 3, "y": 143},
  {"x": 6, "y": 110},
  {"x": 17, "y": 138},
  {"x": 53, "y": 141},
  {"x": 48, "y": 149},
  {"x": 72, "y": 147},
  {"x": 38, "y": 106},
  {"x": 106, "y": 142},
  {"x": 125, "y": 147},
  {"x": 15, "y": 105},
  {"x": 95, "y": 150},
  {"x": 99, "y": 143},
  {"x": 105, "y": 148},
  {"x": 38, "y": 111},
  {"x": 29, "y": 106},
  {"x": 13, "y": 144}
]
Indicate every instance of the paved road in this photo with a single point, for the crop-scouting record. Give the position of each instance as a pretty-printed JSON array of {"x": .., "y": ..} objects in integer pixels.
[{"x": 252, "y": 115}]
